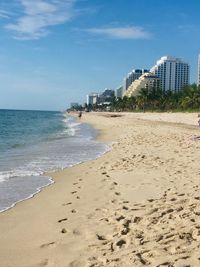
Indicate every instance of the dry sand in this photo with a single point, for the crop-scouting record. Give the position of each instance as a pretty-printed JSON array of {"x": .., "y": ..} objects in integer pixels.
[{"x": 138, "y": 205}]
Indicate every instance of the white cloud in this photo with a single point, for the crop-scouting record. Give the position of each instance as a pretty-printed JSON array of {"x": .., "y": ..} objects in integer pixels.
[
  {"x": 4, "y": 14},
  {"x": 126, "y": 32},
  {"x": 39, "y": 15}
]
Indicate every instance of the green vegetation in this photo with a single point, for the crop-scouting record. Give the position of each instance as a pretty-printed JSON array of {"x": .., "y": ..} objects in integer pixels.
[{"x": 153, "y": 99}]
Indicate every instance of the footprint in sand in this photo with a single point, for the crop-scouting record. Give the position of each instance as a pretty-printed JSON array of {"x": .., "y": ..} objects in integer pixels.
[
  {"x": 78, "y": 263},
  {"x": 126, "y": 228},
  {"x": 100, "y": 237},
  {"x": 125, "y": 201},
  {"x": 125, "y": 208},
  {"x": 73, "y": 211},
  {"x": 65, "y": 204},
  {"x": 141, "y": 259},
  {"x": 62, "y": 220},
  {"x": 47, "y": 244},
  {"x": 121, "y": 217},
  {"x": 113, "y": 201},
  {"x": 150, "y": 200},
  {"x": 120, "y": 243},
  {"x": 63, "y": 231},
  {"x": 77, "y": 232},
  {"x": 45, "y": 262}
]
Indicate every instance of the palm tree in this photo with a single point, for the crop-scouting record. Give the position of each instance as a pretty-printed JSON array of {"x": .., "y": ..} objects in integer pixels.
[
  {"x": 142, "y": 98},
  {"x": 155, "y": 98}
]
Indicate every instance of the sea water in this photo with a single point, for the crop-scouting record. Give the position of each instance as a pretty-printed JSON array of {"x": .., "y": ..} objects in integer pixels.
[{"x": 34, "y": 142}]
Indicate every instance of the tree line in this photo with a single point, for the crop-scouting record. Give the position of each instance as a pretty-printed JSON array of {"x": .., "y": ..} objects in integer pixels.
[{"x": 158, "y": 100}]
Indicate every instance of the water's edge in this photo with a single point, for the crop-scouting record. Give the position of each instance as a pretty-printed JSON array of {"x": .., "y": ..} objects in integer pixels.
[
  {"x": 38, "y": 190},
  {"x": 48, "y": 174}
]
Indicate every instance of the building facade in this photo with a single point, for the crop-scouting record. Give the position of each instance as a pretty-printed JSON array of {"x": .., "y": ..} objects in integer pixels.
[
  {"x": 106, "y": 96},
  {"x": 132, "y": 76},
  {"x": 107, "y": 93},
  {"x": 172, "y": 72},
  {"x": 119, "y": 92},
  {"x": 147, "y": 80},
  {"x": 92, "y": 99}
]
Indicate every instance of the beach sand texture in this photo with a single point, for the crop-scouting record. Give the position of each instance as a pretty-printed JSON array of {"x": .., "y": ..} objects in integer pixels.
[{"x": 137, "y": 205}]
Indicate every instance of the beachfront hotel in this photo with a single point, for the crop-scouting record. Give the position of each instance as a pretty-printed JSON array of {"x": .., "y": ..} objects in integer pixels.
[
  {"x": 119, "y": 92},
  {"x": 92, "y": 99},
  {"x": 147, "y": 80},
  {"x": 172, "y": 72},
  {"x": 132, "y": 76}
]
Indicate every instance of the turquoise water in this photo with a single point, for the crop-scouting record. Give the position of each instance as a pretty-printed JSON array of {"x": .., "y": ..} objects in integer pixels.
[
  {"x": 22, "y": 128},
  {"x": 33, "y": 142}
]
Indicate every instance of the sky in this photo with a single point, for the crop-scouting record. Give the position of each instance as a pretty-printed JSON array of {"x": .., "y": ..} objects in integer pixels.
[{"x": 54, "y": 52}]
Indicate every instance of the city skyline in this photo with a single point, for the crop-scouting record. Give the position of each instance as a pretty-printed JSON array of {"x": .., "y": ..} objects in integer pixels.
[
  {"x": 55, "y": 52},
  {"x": 169, "y": 73}
]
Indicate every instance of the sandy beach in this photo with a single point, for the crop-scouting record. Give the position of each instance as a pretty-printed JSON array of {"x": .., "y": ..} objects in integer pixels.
[{"x": 137, "y": 205}]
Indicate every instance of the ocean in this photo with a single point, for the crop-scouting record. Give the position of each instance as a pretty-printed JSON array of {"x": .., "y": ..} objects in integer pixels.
[{"x": 35, "y": 142}]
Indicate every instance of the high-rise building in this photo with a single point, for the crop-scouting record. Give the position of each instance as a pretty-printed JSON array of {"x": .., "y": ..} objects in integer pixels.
[
  {"x": 119, "y": 92},
  {"x": 147, "y": 80},
  {"x": 92, "y": 99},
  {"x": 172, "y": 72},
  {"x": 132, "y": 76},
  {"x": 106, "y": 96},
  {"x": 198, "y": 78}
]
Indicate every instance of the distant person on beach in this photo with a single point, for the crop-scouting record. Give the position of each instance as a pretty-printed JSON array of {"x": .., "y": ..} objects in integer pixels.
[
  {"x": 80, "y": 114},
  {"x": 199, "y": 119}
]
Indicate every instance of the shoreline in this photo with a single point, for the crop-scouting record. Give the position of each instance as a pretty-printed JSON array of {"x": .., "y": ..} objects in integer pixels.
[
  {"x": 38, "y": 190},
  {"x": 49, "y": 174},
  {"x": 46, "y": 231}
]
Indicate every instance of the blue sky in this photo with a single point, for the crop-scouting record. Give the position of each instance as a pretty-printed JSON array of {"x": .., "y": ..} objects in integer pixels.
[{"x": 53, "y": 52}]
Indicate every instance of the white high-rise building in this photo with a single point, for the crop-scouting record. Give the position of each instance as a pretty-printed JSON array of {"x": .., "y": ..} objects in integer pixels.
[
  {"x": 92, "y": 99},
  {"x": 198, "y": 78},
  {"x": 119, "y": 92},
  {"x": 132, "y": 76},
  {"x": 172, "y": 72}
]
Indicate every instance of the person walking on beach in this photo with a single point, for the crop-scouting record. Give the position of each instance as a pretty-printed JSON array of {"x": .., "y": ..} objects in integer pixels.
[{"x": 80, "y": 114}]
